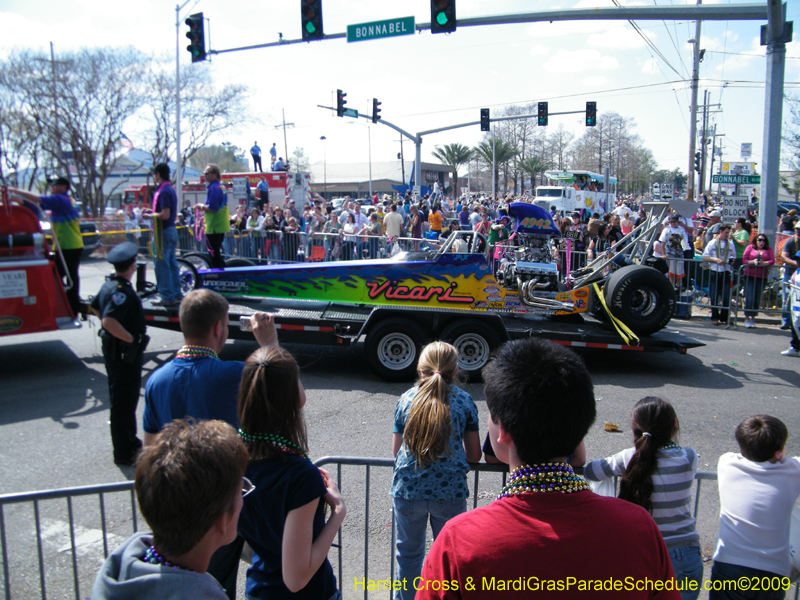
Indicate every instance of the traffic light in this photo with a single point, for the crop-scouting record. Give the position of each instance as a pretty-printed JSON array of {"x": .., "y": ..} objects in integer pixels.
[
  {"x": 542, "y": 114},
  {"x": 485, "y": 120},
  {"x": 340, "y": 102},
  {"x": 376, "y": 111},
  {"x": 443, "y": 16},
  {"x": 197, "y": 37},
  {"x": 697, "y": 161},
  {"x": 311, "y": 18},
  {"x": 591, "y": 114}
]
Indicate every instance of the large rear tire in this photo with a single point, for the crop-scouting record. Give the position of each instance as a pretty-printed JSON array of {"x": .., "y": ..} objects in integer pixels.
[
  {"x": 640, "y": 297},
  {"x": 393, "y": 347},
  {"x": 239, "y": 262},
  {"x": 474, "y": 342},
  {"x": 200, "y": 260}
]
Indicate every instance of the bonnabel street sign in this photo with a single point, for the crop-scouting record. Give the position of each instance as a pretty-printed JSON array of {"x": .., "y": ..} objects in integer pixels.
[
  {"x": 380, "y": 29},
  {"x": 740, "y": 179},
  {"x": 351, "y": 112}
]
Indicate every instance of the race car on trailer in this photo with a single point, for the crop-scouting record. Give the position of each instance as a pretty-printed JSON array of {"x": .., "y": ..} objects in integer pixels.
[{"x": 452, "y": 292}]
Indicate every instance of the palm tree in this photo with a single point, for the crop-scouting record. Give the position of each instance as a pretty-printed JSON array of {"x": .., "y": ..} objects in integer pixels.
[
  {"x": 533, "y": 166},
  {"x": 505, "y": 152},
  {"x": 454, "y": 155}
]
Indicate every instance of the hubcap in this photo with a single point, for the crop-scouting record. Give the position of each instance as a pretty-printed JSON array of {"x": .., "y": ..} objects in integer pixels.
[
  {"x": 473, "y": 351},
  {"x": 397, "y": 351}
]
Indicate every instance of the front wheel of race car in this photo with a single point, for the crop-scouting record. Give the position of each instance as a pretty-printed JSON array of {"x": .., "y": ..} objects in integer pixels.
[
  {"x": 474, "y": 343},
  {"x": 393, "y": 347},
  {"x": 187, "y": 276},
  {"x": 640, "y": 297}
]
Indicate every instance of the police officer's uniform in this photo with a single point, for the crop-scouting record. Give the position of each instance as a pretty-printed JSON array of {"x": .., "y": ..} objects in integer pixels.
[{"x": 117, "y": 299}]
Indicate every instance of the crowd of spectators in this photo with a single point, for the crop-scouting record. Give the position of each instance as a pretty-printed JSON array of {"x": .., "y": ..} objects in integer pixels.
[{"x": 245, "y": 485}]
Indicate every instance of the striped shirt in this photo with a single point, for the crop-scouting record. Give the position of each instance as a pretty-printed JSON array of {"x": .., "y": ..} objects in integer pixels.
[{"x": 672, "y": 490}]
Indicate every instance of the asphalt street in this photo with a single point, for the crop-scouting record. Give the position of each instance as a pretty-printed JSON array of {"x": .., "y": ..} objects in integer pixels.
[{"x": 54, "y": 416}]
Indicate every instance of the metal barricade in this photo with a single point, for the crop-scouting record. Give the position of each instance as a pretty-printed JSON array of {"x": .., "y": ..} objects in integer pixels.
[
  {"x": 756, "y": 294},
  {"x": 66, "y": 533},
  {"x": 59, "y": 538}
]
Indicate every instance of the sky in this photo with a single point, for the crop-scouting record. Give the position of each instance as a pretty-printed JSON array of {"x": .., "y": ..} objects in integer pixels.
[{"x": 427, "y": 81}]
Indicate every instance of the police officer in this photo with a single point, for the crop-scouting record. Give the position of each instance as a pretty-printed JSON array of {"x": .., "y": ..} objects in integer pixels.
[{"x": 124, "y": 340}]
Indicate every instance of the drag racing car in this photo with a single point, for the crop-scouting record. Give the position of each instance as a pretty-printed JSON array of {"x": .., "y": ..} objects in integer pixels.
[{"x": 453, "y": 291}]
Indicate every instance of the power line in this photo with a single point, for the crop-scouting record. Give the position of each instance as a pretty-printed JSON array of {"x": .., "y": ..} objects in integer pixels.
[{"x": 647, "y": 41}]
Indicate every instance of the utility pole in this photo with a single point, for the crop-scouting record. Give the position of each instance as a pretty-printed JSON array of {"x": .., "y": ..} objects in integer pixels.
[
  {"x": 55, "y": 102},
  {"x": 402, "y": 161},
  {"x": 703, "y": 146},
  {"x": 693, "y": 110},
  {"x": 284, "y": 124}
]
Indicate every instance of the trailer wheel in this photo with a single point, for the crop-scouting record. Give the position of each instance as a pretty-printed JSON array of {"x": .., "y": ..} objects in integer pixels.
[
  {"x": 393, "y": 347},
  {"x": 640, "y": 297},
  {"x": 474, "y": 343},
  {"x": 239, "y": 262},
  {"x": 187, "y": 275}
]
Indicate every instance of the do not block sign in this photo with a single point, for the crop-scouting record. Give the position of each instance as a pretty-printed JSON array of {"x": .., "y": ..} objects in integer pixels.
[{"x": 734, "y": 207}]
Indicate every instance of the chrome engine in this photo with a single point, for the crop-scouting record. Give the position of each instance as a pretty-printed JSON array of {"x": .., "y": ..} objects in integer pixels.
[{"x": 531, "y": 271}]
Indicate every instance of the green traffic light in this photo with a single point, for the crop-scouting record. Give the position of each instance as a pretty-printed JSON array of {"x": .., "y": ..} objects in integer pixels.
[
  {"x": 441, "y": 18},
  {"x": 310, "y": 27}
]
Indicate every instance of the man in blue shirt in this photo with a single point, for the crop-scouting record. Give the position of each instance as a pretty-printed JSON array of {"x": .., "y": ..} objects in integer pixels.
[
  {"x": 66, "y": 227},
  {"x": 278, "y": 165},
  {"x": 255, "y": 152},
  {"x": 215, "y": 215},
  {"x": 273, "y": 153},
  {"x": 165, "y": 240},
  {"x": 198, "y": 384},
  {"x": 263, "y": 193}
]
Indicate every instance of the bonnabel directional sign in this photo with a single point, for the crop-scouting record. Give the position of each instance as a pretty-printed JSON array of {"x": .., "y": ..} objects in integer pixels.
[{"x": 380, "y": 29}]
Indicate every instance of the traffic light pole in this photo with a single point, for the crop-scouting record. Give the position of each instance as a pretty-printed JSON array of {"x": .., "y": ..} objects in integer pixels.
[{"x": 178, "y": 159}]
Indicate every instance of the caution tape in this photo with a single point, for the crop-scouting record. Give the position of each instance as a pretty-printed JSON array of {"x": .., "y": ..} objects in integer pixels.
[{"x": 623, "y": 330}]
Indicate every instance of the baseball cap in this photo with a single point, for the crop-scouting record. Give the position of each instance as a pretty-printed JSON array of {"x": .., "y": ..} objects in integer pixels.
[
  {"x": 797, "y": 225},
  {"x": 715, "y": 213},
  {"x": 60, "y": 181}
]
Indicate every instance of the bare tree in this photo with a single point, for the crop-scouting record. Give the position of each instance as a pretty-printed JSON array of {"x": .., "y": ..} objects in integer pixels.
[
  {"x": 21, "y": 135},
  {"x": 226, "y": 156},
  {"x": 74, "y": 110},
  {"x": 558, "y": 143},
  {"x": 206, "y": 109},
  {"x": 791, "y": 135}
]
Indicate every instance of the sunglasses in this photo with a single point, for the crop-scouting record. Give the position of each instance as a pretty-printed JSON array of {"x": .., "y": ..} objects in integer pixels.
[
  {"x": 762, "y": 239},
  {"x": 247, "y": 486}
]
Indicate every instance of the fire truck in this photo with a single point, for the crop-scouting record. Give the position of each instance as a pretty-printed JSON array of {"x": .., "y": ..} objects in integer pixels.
[
  {"x": 283, "y": 186},
  {"x": 32, "y": 295}
]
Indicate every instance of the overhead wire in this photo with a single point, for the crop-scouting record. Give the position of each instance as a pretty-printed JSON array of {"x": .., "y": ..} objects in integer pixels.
[{"x": 647, "y": 41}]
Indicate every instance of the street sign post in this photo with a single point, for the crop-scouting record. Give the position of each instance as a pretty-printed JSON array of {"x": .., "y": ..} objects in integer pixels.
[
  {"x": 736, "y": 179},
  {"x": 380, "y": 29},
  {"x": 734, "y": 207}
]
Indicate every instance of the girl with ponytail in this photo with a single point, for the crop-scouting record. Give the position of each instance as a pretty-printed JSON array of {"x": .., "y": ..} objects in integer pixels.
[
  {"x": 657, "y": 474},
  {"x": 284, "y": 519},
  {"x": 435, "y": 436}
]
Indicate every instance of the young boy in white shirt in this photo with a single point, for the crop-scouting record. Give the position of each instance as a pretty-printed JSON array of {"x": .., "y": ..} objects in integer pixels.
[{"x": 757, "y": 491}]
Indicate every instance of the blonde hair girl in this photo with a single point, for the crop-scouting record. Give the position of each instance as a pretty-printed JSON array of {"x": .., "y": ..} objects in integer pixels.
[{"x": 435, "y": 436}]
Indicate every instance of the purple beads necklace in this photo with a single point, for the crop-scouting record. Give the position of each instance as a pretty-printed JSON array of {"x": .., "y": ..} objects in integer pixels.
[
  {"x": 154, "y": 558},
  {"x": 543, "y": 478}
]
